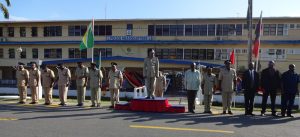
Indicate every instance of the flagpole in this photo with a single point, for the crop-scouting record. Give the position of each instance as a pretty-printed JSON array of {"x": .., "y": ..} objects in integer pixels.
[
  {"x": 235, "y": 59},
  {"x": 100, "y": 56},
  {"x": 93, "y": 24},
  {"x": 249, "y": 14},
  {"x": 259, "y": 41}
]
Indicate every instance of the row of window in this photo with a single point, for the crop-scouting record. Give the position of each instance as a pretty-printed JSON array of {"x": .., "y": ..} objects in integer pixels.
[
  {"x": 53, "y": 53},
  {"x": 215, "y": 54},
  {"x": 159, "y": 30},
  {"x": 213, "y": 30},
  {"x": 161, "y": 53},
  {"x": 193, "y": 54},
  {"x": 56, "y": 31}
]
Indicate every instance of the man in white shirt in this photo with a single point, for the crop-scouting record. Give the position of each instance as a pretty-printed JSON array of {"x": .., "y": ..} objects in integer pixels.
[{"x": 192, "y": 82}]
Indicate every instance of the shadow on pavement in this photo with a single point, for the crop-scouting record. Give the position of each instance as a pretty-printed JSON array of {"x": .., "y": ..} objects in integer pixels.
[
  {"x": 79, "y": 113},
  {"x": 238, "y": 121}
]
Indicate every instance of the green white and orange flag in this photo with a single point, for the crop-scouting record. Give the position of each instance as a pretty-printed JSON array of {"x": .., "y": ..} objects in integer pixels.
[{"x": 88, "y": 38}]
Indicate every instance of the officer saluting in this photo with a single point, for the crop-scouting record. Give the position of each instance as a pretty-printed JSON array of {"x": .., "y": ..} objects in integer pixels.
[
  {"x": 63, "y": 81},
  {"x": 34, "y": 77},
  {"x": 22, "y": 81},
  {"x": 150, "y": 72},
  {"x": 95, "y": 78},
  {"x": 47, "y": 80}
]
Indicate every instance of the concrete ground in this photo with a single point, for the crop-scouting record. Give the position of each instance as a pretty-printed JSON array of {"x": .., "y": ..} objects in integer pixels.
[{"x": 53, "y": 121}]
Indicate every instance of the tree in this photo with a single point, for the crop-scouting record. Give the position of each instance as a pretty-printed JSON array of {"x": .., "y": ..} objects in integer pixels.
[{"x": 4, "y": 9}]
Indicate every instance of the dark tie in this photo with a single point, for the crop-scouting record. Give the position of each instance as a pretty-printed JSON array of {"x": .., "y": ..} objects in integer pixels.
[{"x": 252, "y": 78}]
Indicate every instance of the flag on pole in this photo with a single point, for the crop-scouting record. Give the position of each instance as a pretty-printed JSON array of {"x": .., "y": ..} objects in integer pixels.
[
  {"x": 88, "y": 38},
  {"x": 257, "y": 37},
  {"x": 232, "y": 57},
  {"x": 249, "y": 10}
]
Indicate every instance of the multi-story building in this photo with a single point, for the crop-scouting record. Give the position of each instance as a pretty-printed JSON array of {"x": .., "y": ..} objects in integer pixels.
[{"x": 177, "y": 42}]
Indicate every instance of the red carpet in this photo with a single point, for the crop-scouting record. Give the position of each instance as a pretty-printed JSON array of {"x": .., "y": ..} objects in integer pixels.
[{"x": 149, "y": 105}]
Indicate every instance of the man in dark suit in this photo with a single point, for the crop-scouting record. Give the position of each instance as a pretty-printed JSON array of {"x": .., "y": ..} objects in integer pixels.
[
  {"x": 250, "y": 85},
  {"x": 270, "y": 82},
  {"x": 290, "y": 80}
]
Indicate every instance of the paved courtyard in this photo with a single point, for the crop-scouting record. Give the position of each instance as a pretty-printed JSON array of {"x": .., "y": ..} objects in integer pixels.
[{"x": 70, "y": 121}]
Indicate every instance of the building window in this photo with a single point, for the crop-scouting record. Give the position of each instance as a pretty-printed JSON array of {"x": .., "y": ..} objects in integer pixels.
[
  {"x": 225, "y": 29},
  {"x": 23, "y": 53},
  {"x": 151, "y": 30},
  {"x": 77, "y": 53},
  {"x": 271, "y": 51},
  {"x": 210, "y": 54},
  {"x": 179, "y": 53},
  {"x": 11, "y": 31},
  {"x": 187, "y": 54},
  {"x": 105, "y": 52},
  {"x": 22, "y": 32},
  {"x": 158, "y": 30},
  {"x": 266, "y": 29},
  {"x": 180, "y": 30},
  {"x": 273, "y": 29},
  {"x": 222, "y": 54},
  {"x": 173, "y": 30},
  {"x": 129, "y": 27},
  {"x": 239, "y": 29},
  {"x": 269, "y": 29},
  {"x": 34, "y": 31},
  {"x": 231, "y": 29},
  {"x": 219, "y": 30},
  {"x": 11, "y": 53},
  {"x": 172, "y": 54},
  {"x": 103, "y": 30},
  {"x": 165, "y": 53},
  {"x": 203, "y": 30},
  {"x": 52, "y": 31},
  {"x": 292, "y": 26},
  {"x": 35, "y": 53},
  {"x": 211, "y": 30},
  {"x": 1, "y": 53},
  {"x": 285, "y": 29},
  {"x": 196, "y": 30},
  {"x": 280, "y": 29},
  {"x": 195, "y": 54},
  {"x": 202, "y": 54},
  {"x": 188, "y": 30},
  {"x": 166, "y": 30},
  {"x": 1, "y": 32},
  {"x": 53, "y": 53},
  {"x": 77, "y": 30},
  {"x": 270, "y": 54},
  {"x": 158, "y": 53}
]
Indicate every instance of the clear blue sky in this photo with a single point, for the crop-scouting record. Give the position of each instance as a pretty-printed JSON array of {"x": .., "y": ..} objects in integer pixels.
[{"x": 132, "y": 9}]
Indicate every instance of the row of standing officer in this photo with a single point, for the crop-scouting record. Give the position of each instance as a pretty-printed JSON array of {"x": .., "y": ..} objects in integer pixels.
[{"x": 47, "y": 76}]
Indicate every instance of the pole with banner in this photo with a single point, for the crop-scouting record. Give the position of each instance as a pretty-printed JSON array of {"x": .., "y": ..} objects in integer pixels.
[
  {"x": 249, "y": 24},
  {"x": 257, "y": 40},
  {"x": 93, "y": 28},
  {"x": 88, "y": 39}
]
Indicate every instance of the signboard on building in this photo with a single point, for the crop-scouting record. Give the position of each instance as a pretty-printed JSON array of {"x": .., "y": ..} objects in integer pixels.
[{"x": 129, "y": 38}]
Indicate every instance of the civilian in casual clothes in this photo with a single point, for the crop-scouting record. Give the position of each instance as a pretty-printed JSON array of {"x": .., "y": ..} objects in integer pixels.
[{"x": 192, "y": 82}]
